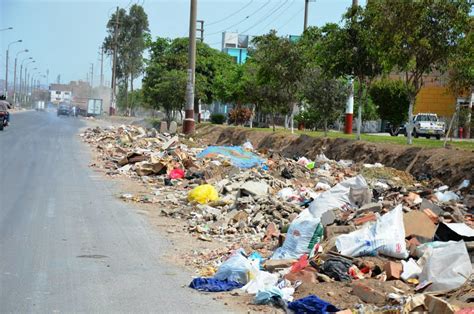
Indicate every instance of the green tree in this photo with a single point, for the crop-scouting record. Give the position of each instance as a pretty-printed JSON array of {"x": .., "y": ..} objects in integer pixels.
[
  {"x": 325, "y": 96},
  {"x": 279, "y": 70},
  {"x": 418, "y": 37},
  {"x": 461, "y": 70},
  {"x": 132, "y": 36},
  {"x": 351, "y": 50},
  {"x": 392, "y": 102}
]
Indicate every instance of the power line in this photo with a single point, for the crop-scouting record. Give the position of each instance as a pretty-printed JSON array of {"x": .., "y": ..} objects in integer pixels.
[
  {"x": 270, "y": 14},
  {"x": 260, "y": 21},
  {"x": 290, "y": 19},
  {"x": 241, "y": 21},
  {"x": 276, "y": 17},
  {"x": 231, "y": 15}
]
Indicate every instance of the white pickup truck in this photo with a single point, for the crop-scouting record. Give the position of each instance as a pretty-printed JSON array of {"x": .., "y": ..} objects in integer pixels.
[{"x": 427, "y": 124}]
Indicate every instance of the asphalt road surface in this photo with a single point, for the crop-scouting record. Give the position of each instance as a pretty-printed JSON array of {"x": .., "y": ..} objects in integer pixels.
[{"x": 66, "y": 243}]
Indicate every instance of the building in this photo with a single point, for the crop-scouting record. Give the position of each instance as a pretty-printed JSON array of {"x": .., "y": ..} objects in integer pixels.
[
  {"x": 59, "y": 93},
  {"x": 435, "y": 96},
  {"x": 236, "y": 46}
]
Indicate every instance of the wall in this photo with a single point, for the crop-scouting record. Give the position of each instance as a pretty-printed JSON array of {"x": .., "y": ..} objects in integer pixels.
[{"x": 435, "y": 99}]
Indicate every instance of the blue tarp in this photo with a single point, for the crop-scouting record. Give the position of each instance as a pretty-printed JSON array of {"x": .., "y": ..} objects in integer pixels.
[
  {"x": 312, "y": 304},
  {"x": 214, "y": 285},
  {"x": 237, "y": 155}
]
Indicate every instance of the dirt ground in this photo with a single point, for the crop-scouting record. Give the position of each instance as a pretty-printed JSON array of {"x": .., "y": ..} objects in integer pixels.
[{"x": 450, "y": 165}]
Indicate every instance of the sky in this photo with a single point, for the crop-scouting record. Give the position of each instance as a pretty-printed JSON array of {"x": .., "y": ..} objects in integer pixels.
[{"x": 64, "y": 36}]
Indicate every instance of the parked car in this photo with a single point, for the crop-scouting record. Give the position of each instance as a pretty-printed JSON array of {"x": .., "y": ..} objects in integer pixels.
[
  {"x": 64, "y": 110},
  {"x": 427, "y": 125}
]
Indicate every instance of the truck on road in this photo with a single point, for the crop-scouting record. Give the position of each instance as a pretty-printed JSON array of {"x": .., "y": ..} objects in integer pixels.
[
  {"x": 40, "y": 105},
  {"x": 427, "y": 125}
]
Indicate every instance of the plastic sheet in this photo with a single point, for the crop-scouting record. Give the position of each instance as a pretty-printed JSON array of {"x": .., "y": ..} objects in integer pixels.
[
  {"x": 447, "y": 266},
  {"x": 238, "y": 156}
]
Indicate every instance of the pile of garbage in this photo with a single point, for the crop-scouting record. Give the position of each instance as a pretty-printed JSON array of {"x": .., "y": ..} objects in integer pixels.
[{"x": 300, "y": 230}]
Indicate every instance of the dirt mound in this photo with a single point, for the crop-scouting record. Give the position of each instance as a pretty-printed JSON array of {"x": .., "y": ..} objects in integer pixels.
[{"x": 450, "y": 165}]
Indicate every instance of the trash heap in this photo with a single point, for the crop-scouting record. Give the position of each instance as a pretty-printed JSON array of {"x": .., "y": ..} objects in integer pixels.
[{"x": 306, "y": 235}]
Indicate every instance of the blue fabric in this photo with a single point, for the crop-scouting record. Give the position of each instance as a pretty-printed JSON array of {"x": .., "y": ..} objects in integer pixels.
[
  {"x": 214, "y": 285},
  {"x": 312, "y": 304},
  {"x": 238, "y": 156}
]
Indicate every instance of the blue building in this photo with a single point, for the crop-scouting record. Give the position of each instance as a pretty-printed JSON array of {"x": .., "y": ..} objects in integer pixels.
[{"x": 236, "y": 46}]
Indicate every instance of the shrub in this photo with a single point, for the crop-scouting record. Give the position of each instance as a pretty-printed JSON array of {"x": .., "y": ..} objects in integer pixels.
[
  {"x": 240, "y": 115},
  {"x": 217, "y": 118}
]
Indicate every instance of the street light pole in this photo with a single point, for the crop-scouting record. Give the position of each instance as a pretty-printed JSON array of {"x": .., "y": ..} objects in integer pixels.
[
  {"x": 6, "y": 66},
  {"x": 21, "y": 75},
  {"x": 188, "y": 124},
  {"x": 25, "y": 89},
  {"x": 30, "y": 81},
  {"x": 14, "y": 76}
]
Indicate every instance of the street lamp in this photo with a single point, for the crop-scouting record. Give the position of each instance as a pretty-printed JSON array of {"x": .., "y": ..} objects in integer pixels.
[
  {"x": 28, "y": 90},
  {"x": 21, "y": 74},
  {"x": 6, "y": 29},
  {"x": 25, "y": 89},
  {"x": 14, "y": 76},
  {"x": 6, "y": 67}
]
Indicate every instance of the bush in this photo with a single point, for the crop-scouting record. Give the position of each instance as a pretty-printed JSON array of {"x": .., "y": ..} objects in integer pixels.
[
  {"x": 240, "y": 115},
  {"x": 217, "y": 118},
  {"x": 392, "y": 101}
]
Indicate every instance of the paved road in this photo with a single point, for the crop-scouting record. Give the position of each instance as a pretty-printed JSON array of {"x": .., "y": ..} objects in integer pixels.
[{"x": 66, "y": 244}]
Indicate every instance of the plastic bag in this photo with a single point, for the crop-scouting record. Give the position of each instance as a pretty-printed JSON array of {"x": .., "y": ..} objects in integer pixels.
[
  {"x": 448, "y": 266},
  {"x": 176, "y": 173},
  {"x": 300, "y": 233},
  {"x": 410, "y": 269},
  {"x": 247, "y": 146},
  {"x": 286, "y": 193},
  {"x": 203, "y": 194},
  {"x": 237, "y": 268},
  {"x": 446, "y": 196},
  {"x": 262, "y": 281},
  {"x": 337, "y": 196},
  {"x": 386, "y": 236}
]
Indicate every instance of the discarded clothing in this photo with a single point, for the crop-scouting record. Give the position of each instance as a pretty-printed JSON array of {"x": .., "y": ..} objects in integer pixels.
[
  {"x": 214, "y": 285},
  {"x": 311, "y": 304},
  {"x": 237, "y": 155},
  {"x": 337, "y": 268}
]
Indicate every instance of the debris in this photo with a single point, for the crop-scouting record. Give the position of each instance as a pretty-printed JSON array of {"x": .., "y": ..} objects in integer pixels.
[
  {"x": 386, "y": 236},
  {"x": 418, "y": 224},
  {"x": 454, "y": 232},
  {"x": 368, "y": 294},
  {"x": 337, "y": 268},
  {"x": 393, "y": 270},
  {"x": 447, "y": 266},
  {"x": 293, "y": 214}
]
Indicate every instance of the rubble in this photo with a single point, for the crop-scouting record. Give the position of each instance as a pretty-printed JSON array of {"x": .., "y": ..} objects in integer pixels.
[{"x": 317, "y": 222}]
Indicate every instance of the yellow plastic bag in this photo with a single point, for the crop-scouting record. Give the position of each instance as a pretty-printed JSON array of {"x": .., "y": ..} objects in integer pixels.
[{"x": 203, "y": 194}]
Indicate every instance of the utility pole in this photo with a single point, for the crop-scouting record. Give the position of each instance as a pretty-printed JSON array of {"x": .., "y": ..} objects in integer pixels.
[
  {"x": 306, "y": 11},
  {"x": 306, "y": 5},
  {"x": 114, "y": 64},
  {"x": 350, "y": 100},
  {"x": 101, "y": 66},
  {"x": 188, "y": 124},
  {"x": 92, "y": 75},
  {"x": 201, "y": 30}
]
